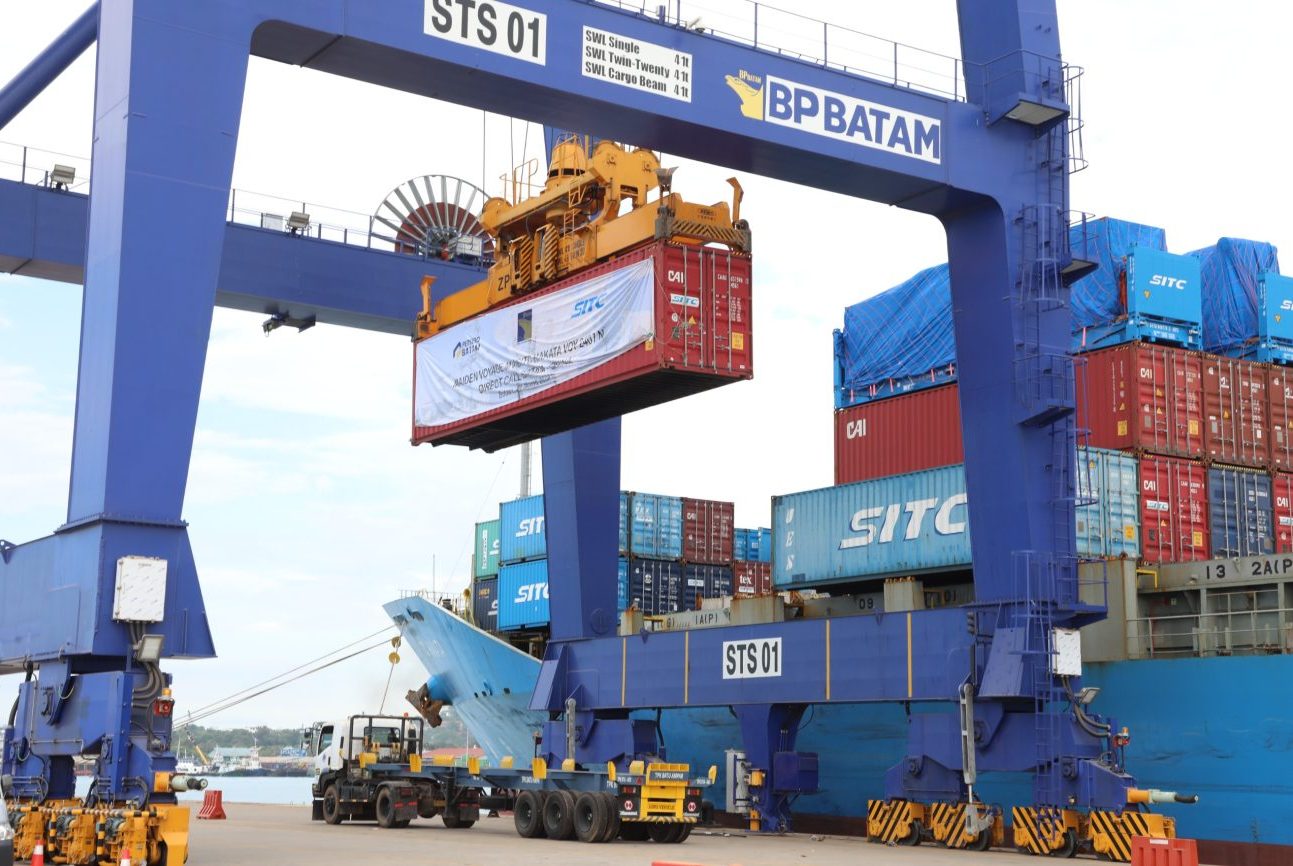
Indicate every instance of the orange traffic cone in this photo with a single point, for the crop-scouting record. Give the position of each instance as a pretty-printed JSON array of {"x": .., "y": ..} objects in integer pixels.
[{"x": 38, "y": 856}]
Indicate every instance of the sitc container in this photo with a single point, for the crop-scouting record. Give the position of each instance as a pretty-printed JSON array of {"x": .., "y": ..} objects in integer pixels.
[
  {"x": 522, "y": 531},
  {"x": 523, "y": 595},
  {"x": 486, "y": 549}
]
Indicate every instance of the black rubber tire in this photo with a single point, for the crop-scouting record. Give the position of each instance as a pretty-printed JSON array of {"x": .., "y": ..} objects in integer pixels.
[
  {"x": 384, "y": 808},
  {"x": 427, "y": 808},
  {"x": 332, "y": 813},
  {"x": 527, "y": 815},
  {"x": 685, "y": 832},
  {"x": 612, "y": 818},
  {"x": 1069, "y": 847},
  {"x": 981, "y": 842},
  {"x": 634, "y": 831},
  {"x": 453, "y": 822},
  {"x": 402, "y": 823},
  {"x": 912, "y": 839},
  {"x": 590, "y": 817},
  {"x": 559, "y": 815},
  {"x": 665, "y": 834}
]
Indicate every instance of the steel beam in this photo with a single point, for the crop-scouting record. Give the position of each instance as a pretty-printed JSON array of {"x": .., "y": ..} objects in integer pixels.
[{"x": 48, "y": 65}]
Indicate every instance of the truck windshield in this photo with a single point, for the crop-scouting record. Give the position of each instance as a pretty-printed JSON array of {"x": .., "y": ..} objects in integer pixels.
[{"x": 382, "y": 736}]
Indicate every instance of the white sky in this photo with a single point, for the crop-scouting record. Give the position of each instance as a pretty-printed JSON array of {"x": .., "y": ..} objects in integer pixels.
[{"x": 307, "y": 506}]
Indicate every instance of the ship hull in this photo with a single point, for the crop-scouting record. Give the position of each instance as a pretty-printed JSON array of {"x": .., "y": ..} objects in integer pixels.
[{"x": 1216, "y": 727}]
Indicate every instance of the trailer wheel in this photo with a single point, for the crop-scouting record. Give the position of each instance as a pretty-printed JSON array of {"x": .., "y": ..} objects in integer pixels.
[
  {"x": 385, "y": 809},
  {"x": 685, "y": 831},
  {"x": 590, "y": 817},
  {"x": 666, "y": 834},
  {"x": 559, "y": 815},
  {"x": 912, "y": 838},
  {"x": 612, "y": 817},
  {"x": 528, "y": 815},
  {"x": 633, "y": 831},
  {"x": 332, "y": 806},
  {"x": 454, "y": 822},
  {"x": 427, "y": 808}
]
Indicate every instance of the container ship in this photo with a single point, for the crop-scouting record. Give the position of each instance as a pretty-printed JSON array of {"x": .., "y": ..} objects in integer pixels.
[{"x": 1184, "y": 525}]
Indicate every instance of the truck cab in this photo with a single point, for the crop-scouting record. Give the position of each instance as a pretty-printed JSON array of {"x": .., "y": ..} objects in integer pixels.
[{"x": 338, "y": 745}]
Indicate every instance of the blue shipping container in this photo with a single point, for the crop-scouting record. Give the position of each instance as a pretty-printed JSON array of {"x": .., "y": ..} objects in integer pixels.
[
  {"x": 485, "y": 603},
  {"x": 521, "y": 530},
  {"x": 523, "y": 595},
  {"x": 1239, "y": 507},
  {"x": 1108, "y": 511},
  {"x": 903, "y": 524},
  {"x": 624, "y": 523},
  {"x": 753, "y": 545},
  {"x": 655, "y": 586},
  {"x": 704, "y": 581},
  {"x": 622, "y": 583},
  {"x": 655, "y": 529}
]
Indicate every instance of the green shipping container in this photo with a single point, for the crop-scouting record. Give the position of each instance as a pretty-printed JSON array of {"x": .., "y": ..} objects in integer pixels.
[{"x": 485, "y": 557}]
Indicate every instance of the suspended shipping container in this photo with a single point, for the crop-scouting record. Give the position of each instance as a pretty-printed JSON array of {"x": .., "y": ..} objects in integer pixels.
[
  {"x": 523, "y": 595},
  {"x": 1282, "y": 506},
  {"x": 484, "y": 607},
  {"x": 657, "y": 323},
  {"x": 704, "y": 581},
  {"x": 751, "y": 577},
  {"x": 485, "y": 558},
  {"x": 1174, "y": 510},
  {"x": 521, "y": 530},
  {"x": 1239, "y": 509},
  {"x": 707, "y": 531},
  {"x": 1142, "y": 396},
  {"x": 655, "y": 526},
  {"x": 1279, "y": 396},
  {"x": 907, "y": 433},
  {"x": 1108, "y": 510},
  {"x": 904, "y": 524},
  {"x": 753, "y": 545},
  {"x": 1235, "y": 411}
]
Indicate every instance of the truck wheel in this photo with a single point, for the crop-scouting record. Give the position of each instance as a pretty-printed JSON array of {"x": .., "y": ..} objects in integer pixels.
[
  {"x": 385, "y": 809},
  {"x": 685, "y": 831},
  {"x": 612, "y": 818},
  {"x": 666, "y": 834},
  {"x": 453, "y": 822},
  {"x": 590, "y": 817},
  {"x": 427, "y": 808},
  {"x": 332, "y": 806},
  {"x": 528, "y": 815},
  {"x": 633, "y": 831},
  {"x": 559, "y": 815}
]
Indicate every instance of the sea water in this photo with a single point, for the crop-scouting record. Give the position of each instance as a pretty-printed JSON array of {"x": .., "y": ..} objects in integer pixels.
[{"x": 291, "y": 790}]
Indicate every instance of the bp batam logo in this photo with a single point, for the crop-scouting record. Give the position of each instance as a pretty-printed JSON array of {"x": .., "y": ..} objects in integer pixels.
[
  {"x": 838, "y": 116},
  {"x": 463, "y": 348},
  {"x": 524, "y": 326}
]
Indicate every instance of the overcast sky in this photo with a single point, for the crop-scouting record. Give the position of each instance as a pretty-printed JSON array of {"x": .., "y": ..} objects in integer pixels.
[{"x": 308, "y": 508}]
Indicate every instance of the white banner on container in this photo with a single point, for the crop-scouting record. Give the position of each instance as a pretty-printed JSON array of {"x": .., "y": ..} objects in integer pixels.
[{"x": 508, "y": 354}]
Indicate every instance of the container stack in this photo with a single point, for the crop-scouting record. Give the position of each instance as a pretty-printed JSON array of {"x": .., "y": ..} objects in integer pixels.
[
  {"x": 674, "y": 552},
  {"x": 1182, "y": 395}
]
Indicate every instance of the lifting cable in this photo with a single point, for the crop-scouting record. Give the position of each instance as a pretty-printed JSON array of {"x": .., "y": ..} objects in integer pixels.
[{"x": 300, "y": 671}]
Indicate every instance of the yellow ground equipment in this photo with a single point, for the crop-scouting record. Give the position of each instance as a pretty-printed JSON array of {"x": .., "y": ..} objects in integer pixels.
[
  {"x": 592, "y": 208},
  {"x": 74, "y": 834}
]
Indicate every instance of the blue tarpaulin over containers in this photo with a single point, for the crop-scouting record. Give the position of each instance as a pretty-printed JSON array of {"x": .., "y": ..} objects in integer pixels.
[
  {"x": 1232, "y": 269},
  {"x": 1096, "y": 299},
  {"x": 901, "y": 334},
  {"x": 902, "y": 339}
]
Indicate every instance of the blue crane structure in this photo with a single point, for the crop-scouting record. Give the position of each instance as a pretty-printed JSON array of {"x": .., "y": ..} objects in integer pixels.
[{"x": 989, "y": 162}]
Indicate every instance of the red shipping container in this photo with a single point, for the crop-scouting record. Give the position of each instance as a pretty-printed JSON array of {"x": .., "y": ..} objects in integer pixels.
[
  {"x": 1282, "y": 502},
  {"x": 707, "y": 533},
  {"x": 1142, "y": 396},
  {"x": 906, "y": 433},
  {"x": 1173, "y": 510},
  {"x": 1279, "y": 400},
  {"x": 1235, "y": 411},
  {"x": 702, "y": 339},
  {"x": 750, "y": 577}
]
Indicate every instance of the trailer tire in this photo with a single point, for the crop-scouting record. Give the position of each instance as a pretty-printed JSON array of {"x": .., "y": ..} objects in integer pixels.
[
  {"x": 685, "y": 831},
  {"x": 590, "y": 817},
  {"x": 384, "y": 808},
  {"x": 665, "y": 834},
  {"x": 427, "y": 808},
  {"x": 633, "y": 831},
  {"x": 559, "y": 815},
  {"x": 332, "y": 806},
  {"x": 454, "y": 822},
  {"x": 527, "y": 815},
  {"x": 612, "y": 818}
]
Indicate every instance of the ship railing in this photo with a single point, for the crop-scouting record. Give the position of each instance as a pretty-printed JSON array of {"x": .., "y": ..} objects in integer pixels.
[{"x": 1253, "y": 632}]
